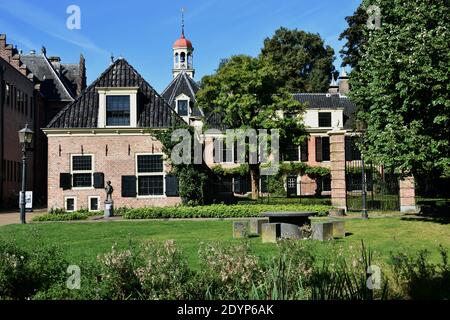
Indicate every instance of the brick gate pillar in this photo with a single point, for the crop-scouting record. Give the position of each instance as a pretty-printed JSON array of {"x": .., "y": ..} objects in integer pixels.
[
  {"x": 407, "y": 195},
  {"x": 337, "y": 157}
]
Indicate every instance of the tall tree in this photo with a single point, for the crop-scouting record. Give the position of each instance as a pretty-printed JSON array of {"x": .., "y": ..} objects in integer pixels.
[
  {"x": 303, "y": 62},
  {"x": 355, "y": 36},
  {"x": 247, "y": 94},
  {"x": 402, "y": 87}
]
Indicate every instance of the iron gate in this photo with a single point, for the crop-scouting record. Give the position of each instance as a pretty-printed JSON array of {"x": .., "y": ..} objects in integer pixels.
[{"x": 382, "y": 187}]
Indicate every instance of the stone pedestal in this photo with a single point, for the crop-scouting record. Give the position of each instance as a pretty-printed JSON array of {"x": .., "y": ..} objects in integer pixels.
[
  {"x": 322, "y": 231},
  {"x": 290, "y": 231},
  {"x": 256, "y": 225},
  {"x": 338, "y": 228},
  {"x": 337, "y": 157},
  {"x": 109, "y": 209},
  {"x": 407, "y": 195},
  {"x": 240, "y": 229},
  {"x": 270, "y": 232}
]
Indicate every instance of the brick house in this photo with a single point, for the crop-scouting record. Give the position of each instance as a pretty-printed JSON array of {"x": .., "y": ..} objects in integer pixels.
[
  {"x": 105, "y": 134},
  {"x": 17, "y": 108},
  {"x": 34, "y": 88}
]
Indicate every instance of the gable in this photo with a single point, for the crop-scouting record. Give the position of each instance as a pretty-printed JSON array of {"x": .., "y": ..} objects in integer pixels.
[{"x": 152, "y": 109}]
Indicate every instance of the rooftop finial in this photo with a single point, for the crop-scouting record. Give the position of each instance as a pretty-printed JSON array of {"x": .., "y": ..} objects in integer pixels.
[
  {"x": 112, "y": 58},
  {"x": 182, "y": 22}
]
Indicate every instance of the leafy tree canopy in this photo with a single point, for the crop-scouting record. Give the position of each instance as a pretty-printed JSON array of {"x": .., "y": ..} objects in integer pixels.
[
  {"x": 302, "y": 61},
  {"x": 402, "y": 87},
  {"x": 246, "y": 92}
]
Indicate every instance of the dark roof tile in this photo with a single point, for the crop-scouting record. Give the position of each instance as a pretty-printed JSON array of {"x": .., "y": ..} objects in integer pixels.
[{"x": 153, "y": 111}]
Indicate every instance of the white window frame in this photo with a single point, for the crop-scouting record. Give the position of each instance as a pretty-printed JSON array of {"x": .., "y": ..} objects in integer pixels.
[
  {"x": 72, "y": 172},
  {"x": 98, "y": 203},
  {"x": 104, "y": 92},
  {"x": 74, "y": 203},
  {"x": 163, "y": 173},
  {"x": 188, "y": 99}
]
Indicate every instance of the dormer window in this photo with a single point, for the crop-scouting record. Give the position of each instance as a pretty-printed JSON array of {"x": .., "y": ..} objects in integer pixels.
[
  {"x": 117, "y": 110},
  {"x": 183, "y": 107},
  {"x": 117, "y": 107}
]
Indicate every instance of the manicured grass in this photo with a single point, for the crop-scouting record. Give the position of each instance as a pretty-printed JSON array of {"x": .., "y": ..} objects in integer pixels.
[{"x": 86, "y": 240}]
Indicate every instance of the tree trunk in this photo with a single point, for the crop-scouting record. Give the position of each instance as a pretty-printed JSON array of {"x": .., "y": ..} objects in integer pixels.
[{"x": 254, "y": 177}]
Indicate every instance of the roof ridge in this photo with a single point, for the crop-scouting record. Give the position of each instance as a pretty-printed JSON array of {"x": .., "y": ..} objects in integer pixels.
[{"x": 57, "y": 76}]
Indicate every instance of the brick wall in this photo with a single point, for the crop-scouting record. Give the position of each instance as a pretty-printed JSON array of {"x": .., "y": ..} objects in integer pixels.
[
  {"x": 119, "y": 161},
  {"x": 14, "y": 119}
]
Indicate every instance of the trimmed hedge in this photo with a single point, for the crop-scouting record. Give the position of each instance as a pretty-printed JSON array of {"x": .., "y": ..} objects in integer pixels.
[
  {"x": 219, "y": 211},
  {"x": 67, "y": 216}
]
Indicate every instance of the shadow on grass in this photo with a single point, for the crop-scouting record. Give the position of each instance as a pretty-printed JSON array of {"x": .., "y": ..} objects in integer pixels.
[{"x": 432, "y": 211}]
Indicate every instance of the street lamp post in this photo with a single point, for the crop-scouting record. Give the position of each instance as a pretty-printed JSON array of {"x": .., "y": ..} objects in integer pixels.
[
  {"x": 25, "y": 138},
  {"x": 361, "y": 126}
]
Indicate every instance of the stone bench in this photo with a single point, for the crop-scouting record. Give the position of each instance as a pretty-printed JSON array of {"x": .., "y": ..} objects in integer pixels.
[
  {"x": 240, "y": 229},
  {"x": 255, "y": 225},
  {"x": 271, "y": 232},
  {"x": 322, "y": 231},
  {"x": 338, "y": 228}
]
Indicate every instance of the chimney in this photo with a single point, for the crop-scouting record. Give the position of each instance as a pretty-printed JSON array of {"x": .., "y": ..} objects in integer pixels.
[
  {"x": 2, "y": 41},
  {"x": 56, "y": 63},
  {"x": 81, "y": 81},
  {"x": 344, "y": 86},
  {"x": 334, "y": 87}
]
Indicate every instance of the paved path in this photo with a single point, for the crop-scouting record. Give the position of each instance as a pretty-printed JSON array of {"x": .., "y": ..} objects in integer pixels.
[{"x": 14, "y": 217}]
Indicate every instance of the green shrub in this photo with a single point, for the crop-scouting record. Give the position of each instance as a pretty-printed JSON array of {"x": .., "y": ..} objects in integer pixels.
[
  {"x": 416, "y": 278},
  {"x": 218, "y": 211},
  {"x": 24, "y": 273},
  {"x": 61, "y": 215}
]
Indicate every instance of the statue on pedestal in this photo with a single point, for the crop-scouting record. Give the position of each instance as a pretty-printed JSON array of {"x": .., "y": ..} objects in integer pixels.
[{"x": 109, "y": 190}]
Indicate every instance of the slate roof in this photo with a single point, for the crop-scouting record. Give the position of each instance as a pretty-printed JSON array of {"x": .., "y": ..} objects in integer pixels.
[
  {"x": 53, "y": 86},
  {"x": 70, "y": 72},
  {"x": 329, "y": 101},
  {"x": 182, "y": 83},
  {"x": 153, "y": 111}
]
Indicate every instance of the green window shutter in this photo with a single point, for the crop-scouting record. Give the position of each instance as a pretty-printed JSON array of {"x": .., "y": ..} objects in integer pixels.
[
  {"x": 304, "y": 151},
  {"x": 99, "y": 180},
  {"x": 65, "y": 181},
  {"x": 319, "y": 149},
  {"x": 237, "y": 184},
  {"x": 172, "y": 186},
  {"x": 129, "y": 186},
  {"x": 325, "y": 149}
]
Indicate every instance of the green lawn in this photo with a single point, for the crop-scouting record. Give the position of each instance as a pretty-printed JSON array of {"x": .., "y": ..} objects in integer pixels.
[{"x": 86, "y": 240}]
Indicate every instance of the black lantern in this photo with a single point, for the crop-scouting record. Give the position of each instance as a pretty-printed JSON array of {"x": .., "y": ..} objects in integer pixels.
[{"x": 25, "y": 139}]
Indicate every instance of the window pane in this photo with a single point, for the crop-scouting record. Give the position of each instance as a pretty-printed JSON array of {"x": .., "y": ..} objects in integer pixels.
[
  {"x": 82, "y": 180},
  {"x": 325, "y": 119},
  {"x": 70, "y": 204},
  {"x": 81, "y": 163},
  {"x": 150, "y": 163},
  {"x": 94, "y": 204},
  {"x": 291, "y": 153},
  {"x": 117, "y": 110},
  {"x": 183, "y": 107},
  {"x": 326, "y": 149},
  {"x": 150, "y": 185}
]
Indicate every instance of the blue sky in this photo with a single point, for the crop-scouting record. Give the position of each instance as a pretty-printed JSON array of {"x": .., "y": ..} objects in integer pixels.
[{"x": 143, "y": 31}]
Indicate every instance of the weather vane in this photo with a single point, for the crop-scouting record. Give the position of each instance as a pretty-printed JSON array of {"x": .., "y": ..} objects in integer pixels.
[{"x": 182, "y": 21}]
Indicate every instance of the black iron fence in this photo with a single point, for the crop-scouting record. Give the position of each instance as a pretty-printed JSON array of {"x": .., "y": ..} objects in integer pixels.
[{"x": 382, "y": 187}]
